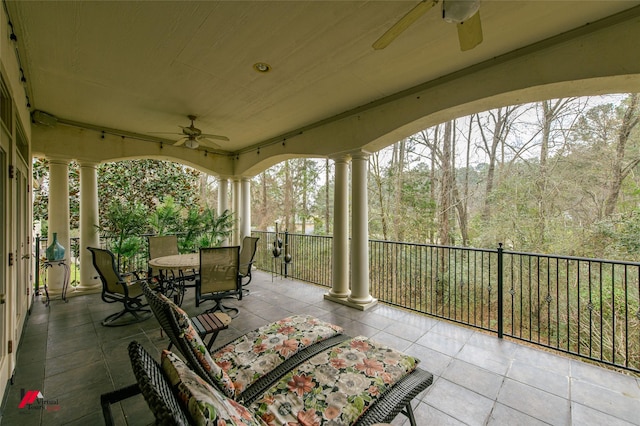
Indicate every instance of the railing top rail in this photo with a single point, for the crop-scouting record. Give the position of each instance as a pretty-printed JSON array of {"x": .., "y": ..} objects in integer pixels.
[
  {"x": 292, "y": 234},
  {"x": 576, "y": 258},
  {"x": 434, "y": 246}
]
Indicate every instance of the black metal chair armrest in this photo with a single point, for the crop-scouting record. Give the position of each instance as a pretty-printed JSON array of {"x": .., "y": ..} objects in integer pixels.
[{"x": 106, "y": 399}]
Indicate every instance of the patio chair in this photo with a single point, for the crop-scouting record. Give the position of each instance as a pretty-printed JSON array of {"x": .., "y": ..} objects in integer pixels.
[
  {"x": 247, "y": 253},
  {"x": 218, "y": 278},
  {"x": 119, "y": 289},
  {"x": 160, "y": 246},
  {"x": 173, "y": 282}
]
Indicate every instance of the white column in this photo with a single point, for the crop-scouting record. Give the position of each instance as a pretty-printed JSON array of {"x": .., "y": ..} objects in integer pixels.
[
  {"x": 237, "y": 210},
  {"x": 340, "y": 253},
  {"x": 223, "y": 200},
  {"x": 360, "y": 233},
  {"x": 89, "y": 220},
  {"x": 58, "y": 219},
  {"x": 245, "y": 226}
]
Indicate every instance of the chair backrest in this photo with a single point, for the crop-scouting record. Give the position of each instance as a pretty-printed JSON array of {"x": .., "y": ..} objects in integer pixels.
[
  {"x": 155, "y": 388},
  {"x": 247, "y": 253},
  {"x": 165, "y": 316},
  {"x": 219, "y": 269},
  {"x": 105, "y": 263},
  {"x": 166, "y": 245}
]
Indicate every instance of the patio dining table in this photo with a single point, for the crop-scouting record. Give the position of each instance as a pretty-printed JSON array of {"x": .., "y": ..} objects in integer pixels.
[{"x": 171, "y": 284}]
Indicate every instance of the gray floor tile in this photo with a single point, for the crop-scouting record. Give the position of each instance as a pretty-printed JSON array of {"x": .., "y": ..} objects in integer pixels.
[
  {"x": 460, "y": 403},
  {"x": 583, "y": 415},
  {"x": 391, "y": 340},
  {"x": 433, "y": 361},
  {"x": 428, "y": 415},
  {"x": 441, "y": 343},
  {"x": 536, "y": 403},
  {"x": 545, "y": 380},
  {"x": 478, "y": 379},
  {"x": 408, "y": 332},
  {"x": 474, "y": 378},
  {"x": 599, "y": 397},
  {"x": 487, "y": 359},
  {"x": 503, "y": 415}
]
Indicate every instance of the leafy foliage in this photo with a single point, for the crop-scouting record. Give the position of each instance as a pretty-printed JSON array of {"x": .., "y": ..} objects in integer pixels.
[{"x": 122, "y": 222}]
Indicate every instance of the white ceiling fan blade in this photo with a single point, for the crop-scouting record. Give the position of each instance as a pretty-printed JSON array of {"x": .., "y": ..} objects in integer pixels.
[
  {"x": 470, "y": 32},
  {"x": 218, "y": 137},
  {"x": 180, "y": 142},
  {"x": 404, "y": 23}
]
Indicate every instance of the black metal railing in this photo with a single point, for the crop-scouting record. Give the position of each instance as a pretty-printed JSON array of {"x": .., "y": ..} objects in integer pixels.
[
  {"x": 310, "y": 256},
  {"x": 580, "y": 306}
]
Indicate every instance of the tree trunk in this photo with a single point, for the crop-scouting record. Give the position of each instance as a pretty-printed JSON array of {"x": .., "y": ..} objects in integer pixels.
[
  {"x": 264, "y": 209},
  {"x": 289, "y": 213},
  {"x": 327, "y": 216},
  {"x": 377, "y": 178},
  {"x": 432, "y": 187},
  {"x": 541, "y": 183},
  {"x": 398, "y": 170},
  {"x": 305, "y": 192},
  {"x": 445, "y": 188},
  {"x": 620, "y": 171}
]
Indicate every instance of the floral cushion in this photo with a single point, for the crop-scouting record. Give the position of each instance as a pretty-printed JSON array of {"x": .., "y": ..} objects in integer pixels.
[
  {"x": 336, "y": 386},
  {"x": 203, "y": 403},
  {"x": 256, "y": 353},
  {"x": 195, "y": 343}
]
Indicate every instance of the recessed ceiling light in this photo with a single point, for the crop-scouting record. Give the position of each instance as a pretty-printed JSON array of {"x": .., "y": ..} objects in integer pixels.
[{"x": 262, "y": 67}]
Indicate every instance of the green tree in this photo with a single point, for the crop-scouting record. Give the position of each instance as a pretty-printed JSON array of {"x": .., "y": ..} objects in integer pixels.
[
  {"x": 148, "y": 182},
  {"x": 123, "y": 222}
]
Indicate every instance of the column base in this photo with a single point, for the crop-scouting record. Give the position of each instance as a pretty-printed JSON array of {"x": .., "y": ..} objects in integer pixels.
[
  {"x": 87, "y": 289},
  {"x": 337, "y": 295},
  {"x": 347, "y": 302}
]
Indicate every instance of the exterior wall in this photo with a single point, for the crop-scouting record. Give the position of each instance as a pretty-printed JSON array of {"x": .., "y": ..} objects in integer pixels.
[{"x": 16, "y": 215}]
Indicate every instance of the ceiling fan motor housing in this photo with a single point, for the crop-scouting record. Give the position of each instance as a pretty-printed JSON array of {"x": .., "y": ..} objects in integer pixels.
[
  {"x": 457, "y": 11},
  {"x": 191, "y": 143}
]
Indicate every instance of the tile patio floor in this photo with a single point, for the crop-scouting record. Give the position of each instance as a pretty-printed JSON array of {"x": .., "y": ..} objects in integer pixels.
[{"x": 478, "y": 379}]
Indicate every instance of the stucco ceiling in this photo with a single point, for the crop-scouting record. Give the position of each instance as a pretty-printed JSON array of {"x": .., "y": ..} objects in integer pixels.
[{"x": 143, "y": 66}]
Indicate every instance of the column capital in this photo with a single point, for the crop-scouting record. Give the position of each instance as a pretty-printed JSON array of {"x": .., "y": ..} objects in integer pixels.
[
  {"x": 360, "y": 155},
  {"x": 58, "y": 160},
  {"x": 340, "y": 158},
  {"x": 88, "y": 164}
]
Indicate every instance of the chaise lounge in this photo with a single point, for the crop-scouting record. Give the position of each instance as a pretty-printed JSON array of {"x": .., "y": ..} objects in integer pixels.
[{"x": 299, "y": 370}]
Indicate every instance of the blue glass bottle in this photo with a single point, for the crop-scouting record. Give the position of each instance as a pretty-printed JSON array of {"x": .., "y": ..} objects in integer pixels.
[{"x": 55, "y": 251}]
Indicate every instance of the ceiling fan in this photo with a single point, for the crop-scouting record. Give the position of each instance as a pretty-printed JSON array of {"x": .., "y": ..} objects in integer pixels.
[
  {"x": 464, "y": 13},
  {"x": 192, "y": 137}
]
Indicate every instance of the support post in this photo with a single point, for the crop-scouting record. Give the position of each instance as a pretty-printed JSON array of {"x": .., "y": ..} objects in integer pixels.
[{"x": 500, "y": 292}]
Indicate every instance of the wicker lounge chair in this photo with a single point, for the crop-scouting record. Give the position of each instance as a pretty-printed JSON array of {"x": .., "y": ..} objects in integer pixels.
[
  {"x": 391, "y": 402},
  {"x": 156, "y": 387}
]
